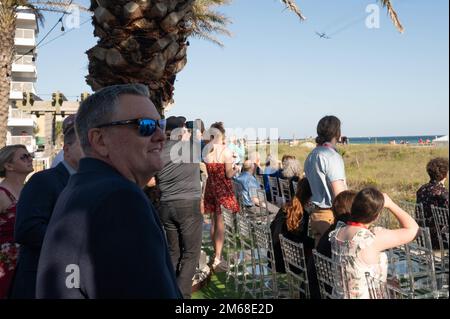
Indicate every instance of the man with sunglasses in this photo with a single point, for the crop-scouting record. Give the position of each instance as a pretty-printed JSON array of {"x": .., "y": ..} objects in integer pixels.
[
  {"x": 35, "y": 208},
  {"x": 105, "y": 239}
]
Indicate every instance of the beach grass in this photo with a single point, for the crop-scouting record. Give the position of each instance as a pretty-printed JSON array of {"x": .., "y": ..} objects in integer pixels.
[{"x": 398, "y": 170}]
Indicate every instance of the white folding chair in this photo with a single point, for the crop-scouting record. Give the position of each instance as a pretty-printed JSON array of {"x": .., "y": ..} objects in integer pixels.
[
  {"x": 416, "y": 211},
  {"x": 231, "y": 246},
  {"x": 260, "y": 180},
  {"x": 330, "y": 275},
  {"x": 274, "y": 189},
  {"x": 263, "y": 213},
  {"x": 414, "y": 267},
  {"x": 268, "y": 275},
  {"x": 440, "y": 217},
  {"x": 382, "y": 290},
  {"x": 295, "y": 265},
  {"x": 285, "y": 190},
  {"x": 238, "y": 191},
  {"x": 247, "y": 268}
]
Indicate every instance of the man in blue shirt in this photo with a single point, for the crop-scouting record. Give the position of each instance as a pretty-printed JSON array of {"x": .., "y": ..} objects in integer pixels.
[
  {"x": 249, "y": 184},
  {"x": 325, "y": 170}
]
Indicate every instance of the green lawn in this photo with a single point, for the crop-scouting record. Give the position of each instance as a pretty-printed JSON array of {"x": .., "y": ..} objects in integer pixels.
[{"x": 217, "y": 288}]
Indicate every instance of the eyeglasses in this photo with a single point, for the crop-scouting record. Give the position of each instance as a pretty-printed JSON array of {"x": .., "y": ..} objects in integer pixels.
[
  {"x": 146, "y": 127},
  {"x": 26, "y": 157}
]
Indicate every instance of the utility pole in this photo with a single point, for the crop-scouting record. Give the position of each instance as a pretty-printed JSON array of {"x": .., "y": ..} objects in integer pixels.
[{"x": 59, "y": 105}]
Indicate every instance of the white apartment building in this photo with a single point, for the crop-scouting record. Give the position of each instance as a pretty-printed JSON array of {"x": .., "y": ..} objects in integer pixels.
[{"x": 21, "y": 126}]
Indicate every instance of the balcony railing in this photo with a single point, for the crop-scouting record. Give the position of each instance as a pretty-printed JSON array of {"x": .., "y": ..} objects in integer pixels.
[
  {"x": 22, "y": 87},
  {"x": 18, "y": 114},
  {"x": 24, "y": 60},
  {"x": 25, "y": 34},
  {"x": 27, "y": 16},
  {"x": 24, "y": 140}
]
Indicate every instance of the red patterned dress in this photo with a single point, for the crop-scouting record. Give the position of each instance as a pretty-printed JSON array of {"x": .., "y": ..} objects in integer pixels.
[
  {"x": 219, "y": 190},
  {"x": 8, "y": 249}
]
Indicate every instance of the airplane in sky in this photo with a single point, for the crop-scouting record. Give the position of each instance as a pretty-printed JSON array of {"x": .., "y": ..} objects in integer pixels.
[{"x": 323, "y": 35}]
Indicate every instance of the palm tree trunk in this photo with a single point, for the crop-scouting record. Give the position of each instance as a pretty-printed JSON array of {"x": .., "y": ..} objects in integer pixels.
[
  {"x": 140, "y": 42},
  {"x": 7, "y": 32}
]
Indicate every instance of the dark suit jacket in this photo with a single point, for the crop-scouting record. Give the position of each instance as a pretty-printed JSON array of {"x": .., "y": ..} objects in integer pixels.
[
  {"x": 104, "y": 240},
  {"x": 34, "y": 210}
]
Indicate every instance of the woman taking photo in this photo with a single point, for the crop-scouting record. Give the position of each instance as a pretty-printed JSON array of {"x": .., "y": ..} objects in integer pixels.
[{"x": 359, "y": 248}]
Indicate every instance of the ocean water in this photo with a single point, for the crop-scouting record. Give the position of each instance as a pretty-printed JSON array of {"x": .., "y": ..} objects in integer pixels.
[
  {"x": 388, "y": 139},
  {"x": 410, "y": 140}
]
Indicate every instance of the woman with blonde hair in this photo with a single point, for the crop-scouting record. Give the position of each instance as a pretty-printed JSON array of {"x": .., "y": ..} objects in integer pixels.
[{"x": 15, "y": 164}]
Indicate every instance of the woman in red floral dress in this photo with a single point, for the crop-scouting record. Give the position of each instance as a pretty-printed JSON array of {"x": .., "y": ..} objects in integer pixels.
[
  {"x": 15, "y": 164},
  {"x": 219, "y": 190}
]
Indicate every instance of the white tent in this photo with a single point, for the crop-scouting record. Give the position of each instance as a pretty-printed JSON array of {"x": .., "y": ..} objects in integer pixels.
[{"x": 441, "y": 141}]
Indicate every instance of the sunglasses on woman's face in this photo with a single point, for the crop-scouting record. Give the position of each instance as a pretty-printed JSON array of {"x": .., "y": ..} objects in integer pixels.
[
  {"x": 146, "y": 127},
  {"x": 26, "y": 157}
]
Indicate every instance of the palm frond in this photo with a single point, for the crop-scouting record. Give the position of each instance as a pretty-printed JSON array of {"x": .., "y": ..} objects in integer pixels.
[
  {"x": 291, "y": 5},
  {"x": 205, "y": 21},
  {"x": 205, "y": 26},
  {"x": 211, "y": 3},
  {"x": 208, "y": 37},
  {"x": 37, "y": 12},
  {"x": 60, "y": 6},
  {"x": 394, "y": 17}
]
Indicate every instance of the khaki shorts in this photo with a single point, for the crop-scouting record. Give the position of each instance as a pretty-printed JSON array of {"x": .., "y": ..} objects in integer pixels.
[{"x": 320, "y": 220}]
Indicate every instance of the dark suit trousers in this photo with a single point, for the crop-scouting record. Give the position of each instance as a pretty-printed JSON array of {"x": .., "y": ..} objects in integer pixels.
[{"x": 183, "y": 224}]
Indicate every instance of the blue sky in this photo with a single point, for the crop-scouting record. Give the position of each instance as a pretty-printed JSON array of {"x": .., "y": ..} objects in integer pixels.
[{"x": 274, "y": 72}]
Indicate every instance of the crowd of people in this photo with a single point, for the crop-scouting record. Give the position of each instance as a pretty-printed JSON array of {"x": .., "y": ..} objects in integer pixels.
[{"x": 121, "y": 214}]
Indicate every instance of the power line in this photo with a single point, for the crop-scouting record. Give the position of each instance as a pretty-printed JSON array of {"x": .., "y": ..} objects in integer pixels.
[
  {"x": 46, "y": 35},
  {"x": 63, "y": 34}
]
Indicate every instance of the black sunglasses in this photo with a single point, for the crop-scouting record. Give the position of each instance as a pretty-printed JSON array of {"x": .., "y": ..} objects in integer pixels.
[{"x": 146, "y": 127}]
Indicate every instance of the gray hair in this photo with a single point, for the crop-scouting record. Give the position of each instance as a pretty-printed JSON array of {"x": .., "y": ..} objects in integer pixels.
[
  {"x": 291, "y": 168},
  {"x": 100, "y": 108}
]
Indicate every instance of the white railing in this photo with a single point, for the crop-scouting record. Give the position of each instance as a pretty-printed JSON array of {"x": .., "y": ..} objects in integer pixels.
[
  {"x": 24, "y": 15},
  {"x": 24, "y": 60},
  {"x": 24, "y": 140},
  {"x": 22, "y": 87},
  {"x": 18, "y": 114},
  {"x": 25, "y": 34}
]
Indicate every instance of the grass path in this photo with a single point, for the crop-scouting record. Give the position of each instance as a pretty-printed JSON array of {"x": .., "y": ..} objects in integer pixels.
[{"x": 217, "y": 288}]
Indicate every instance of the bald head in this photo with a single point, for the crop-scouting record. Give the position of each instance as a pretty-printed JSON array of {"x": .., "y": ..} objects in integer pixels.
[{"x": 248, "y": 166}]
